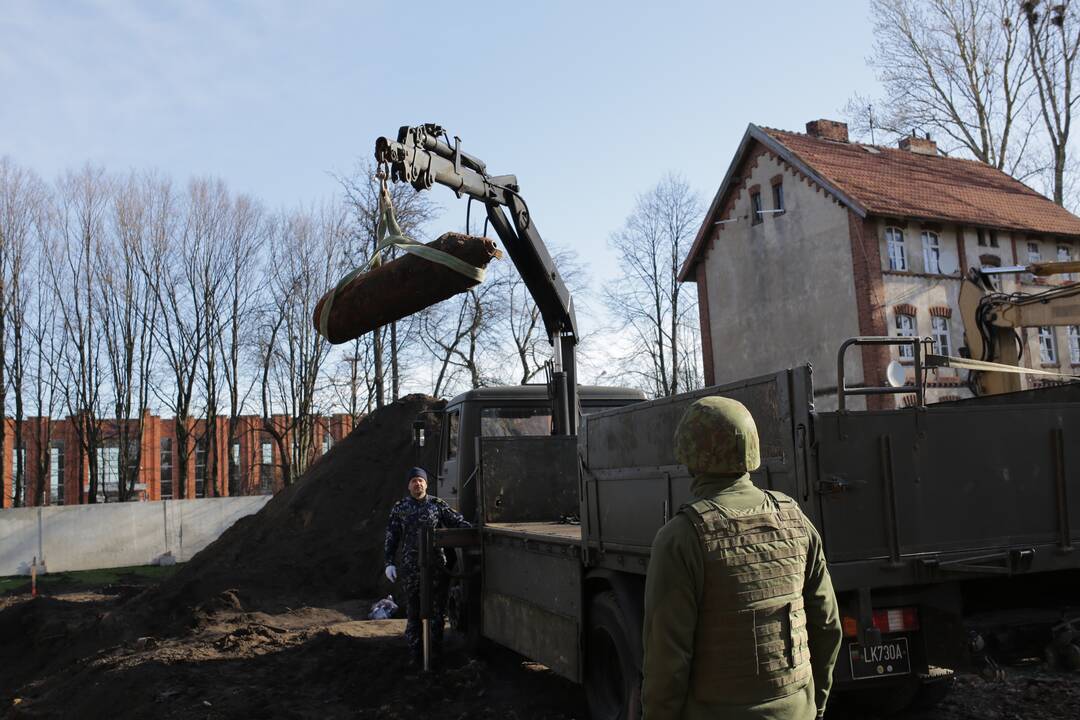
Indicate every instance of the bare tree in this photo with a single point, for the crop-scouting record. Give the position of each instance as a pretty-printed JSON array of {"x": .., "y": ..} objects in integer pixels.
[
  {"x": 21, "y": 197},
  {"x": 127, "y": 317},
  {"x": 306, "y": 252},
  {"x": 171, "y": 264},
  {"x": 48, "y": 342},
  {"x": 243, "y": 243},
  {"x": 1053, "y": 42},
  {"x": 78, "y": 218},
  {"x": 413, "y": 210},
  {"x": 647, "y": 300},
  {"x": 956, "y": 68},
  {"x": 520, "y": 327}
]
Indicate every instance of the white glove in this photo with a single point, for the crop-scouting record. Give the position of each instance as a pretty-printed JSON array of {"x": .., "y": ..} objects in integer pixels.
[{"x": 391, "y": 573}]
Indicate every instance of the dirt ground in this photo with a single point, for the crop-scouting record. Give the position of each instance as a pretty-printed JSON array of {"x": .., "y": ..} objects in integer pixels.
[{"x": 330, "y": 662}]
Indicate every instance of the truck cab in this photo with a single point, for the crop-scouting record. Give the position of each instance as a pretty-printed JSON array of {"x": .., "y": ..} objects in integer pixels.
[{"x": 510, "y": 411}]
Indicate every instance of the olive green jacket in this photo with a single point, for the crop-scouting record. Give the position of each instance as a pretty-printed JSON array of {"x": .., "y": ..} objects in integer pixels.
[{"x": 673, "y": 589}]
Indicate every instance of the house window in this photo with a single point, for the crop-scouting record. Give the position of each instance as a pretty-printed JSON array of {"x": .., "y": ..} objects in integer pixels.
[
  {"x": 1033, "y": 256},
  {"x": 327, "y": 442},
  {"x": 931, "y": 247},
  {"x": 200, "y": 467},
  {"x": 981, "y": 237},
  {"x": 266, "y": 468},
  {"x": 1047, "y": 346},
  {"x": 894, "y": 238},
  {"x": 166, "y": 469},
  {"x": 755, "y": 208},
  {"x": 56, "y": 473},
  {"x": 939, "y": 328},
  {"x": 1074, "y": 344},
  {"x": 1064, "y": 254},
  {"x": 993, "y": 239},
  {"x": 778, "y": 198},
  {"x": 905, "y": 327}
]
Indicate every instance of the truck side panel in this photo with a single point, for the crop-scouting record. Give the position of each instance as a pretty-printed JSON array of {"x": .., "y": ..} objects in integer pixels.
[
  {"x": 632, "y": 483},
  {"x": 924, "y": 495}
]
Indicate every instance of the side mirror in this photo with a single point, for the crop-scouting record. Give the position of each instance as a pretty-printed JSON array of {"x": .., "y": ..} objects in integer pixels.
[{"x": 418, "y": 432}]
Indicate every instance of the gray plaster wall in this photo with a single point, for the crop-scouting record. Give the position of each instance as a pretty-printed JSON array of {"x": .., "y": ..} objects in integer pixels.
[
  {"x": 93, "y": 537},
  {"x": 781, "y": 293}
]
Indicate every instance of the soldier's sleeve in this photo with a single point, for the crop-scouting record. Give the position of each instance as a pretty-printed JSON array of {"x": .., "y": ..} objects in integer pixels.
[
  {"x": 451, "y": 518},
  {"x": 823, "y": 629},
  {"x": 393, "y": 535},
  {"x": 673, "y": 587}
]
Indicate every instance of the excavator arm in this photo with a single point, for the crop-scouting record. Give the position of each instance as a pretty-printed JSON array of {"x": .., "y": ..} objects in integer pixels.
[
  {"x": 422, "y": 156},
  {"x": 991, "y": 318}
]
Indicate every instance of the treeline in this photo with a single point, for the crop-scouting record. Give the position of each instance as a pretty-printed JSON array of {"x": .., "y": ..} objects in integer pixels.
[{"x": 123, "y": 294}]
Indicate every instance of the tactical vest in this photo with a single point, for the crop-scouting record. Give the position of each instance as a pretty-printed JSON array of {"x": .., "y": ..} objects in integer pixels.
[{"x": 750, "y": 644}]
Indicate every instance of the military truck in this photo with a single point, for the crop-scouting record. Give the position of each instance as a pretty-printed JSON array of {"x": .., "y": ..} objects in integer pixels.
[
  {"x": 923, "y": 520},
  {"x": 930, "y": 515}
]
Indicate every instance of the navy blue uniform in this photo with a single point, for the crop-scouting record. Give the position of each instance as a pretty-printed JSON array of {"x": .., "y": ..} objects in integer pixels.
[{"x": 403, "y": 531}]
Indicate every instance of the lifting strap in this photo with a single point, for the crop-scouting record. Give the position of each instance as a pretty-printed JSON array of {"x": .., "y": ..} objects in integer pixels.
[
  {"x": 987, "y": 366},
  {"x": 389, "y": 234}
]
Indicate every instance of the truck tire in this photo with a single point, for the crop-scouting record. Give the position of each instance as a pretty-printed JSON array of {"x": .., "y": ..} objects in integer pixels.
[{"x": 612, "y": 678}]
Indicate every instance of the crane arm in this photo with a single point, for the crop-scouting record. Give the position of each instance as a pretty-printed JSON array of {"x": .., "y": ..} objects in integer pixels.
[{"x": 422, "y": 156}]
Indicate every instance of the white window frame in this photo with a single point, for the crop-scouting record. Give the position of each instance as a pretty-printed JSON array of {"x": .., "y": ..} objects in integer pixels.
[
  {"x": 894, "y": 242},
  {"x": 327, "y": 443},
  {"x": 1047, "y": 346},
  {"x": 1074, "y": 344},
  {"x": 931, "y": 245},
  {"x": 1034, "y": 255},
  {"x": 1064, "y": 254},
  {"x": 906, "y": 326},
  {"x": 939, "y": 329},
  {"x": 56, "y": 479}
]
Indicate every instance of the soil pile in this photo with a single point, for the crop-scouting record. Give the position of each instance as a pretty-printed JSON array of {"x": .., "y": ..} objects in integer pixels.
[{"x": 318, "y": 541}]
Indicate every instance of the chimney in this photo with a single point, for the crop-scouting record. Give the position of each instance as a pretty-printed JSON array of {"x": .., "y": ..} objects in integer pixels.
[
  {"x": 915, "y": 144},
  {"x": 827, "y": 130}
]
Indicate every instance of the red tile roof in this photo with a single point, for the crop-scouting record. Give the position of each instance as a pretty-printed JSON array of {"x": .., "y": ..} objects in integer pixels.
[{"x": 887, "y": 181}]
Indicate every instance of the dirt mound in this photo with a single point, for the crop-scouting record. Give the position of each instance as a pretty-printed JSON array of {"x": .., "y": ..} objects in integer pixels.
[
  {"x": 308, "y": 663},
  {"x": 318, "y": 541}
]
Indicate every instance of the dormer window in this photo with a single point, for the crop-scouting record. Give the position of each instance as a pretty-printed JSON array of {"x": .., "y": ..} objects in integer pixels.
[{"x": 894, "y": 240}]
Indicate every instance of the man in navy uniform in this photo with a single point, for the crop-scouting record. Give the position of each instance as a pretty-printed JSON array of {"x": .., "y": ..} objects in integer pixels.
[{"x": 407, "y": 517}]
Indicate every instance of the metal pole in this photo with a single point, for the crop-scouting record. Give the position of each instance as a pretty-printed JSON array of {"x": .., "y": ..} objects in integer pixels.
[{"x": 425, "y": 593}]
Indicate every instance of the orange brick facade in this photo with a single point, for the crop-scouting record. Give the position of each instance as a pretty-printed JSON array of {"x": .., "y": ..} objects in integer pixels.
[{"x": 66, "y": 465}]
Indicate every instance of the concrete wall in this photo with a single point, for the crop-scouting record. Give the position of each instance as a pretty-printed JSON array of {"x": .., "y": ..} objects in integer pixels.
[
  {"x": 91, "y": 537},
  {"x": 781, "y": 292}
]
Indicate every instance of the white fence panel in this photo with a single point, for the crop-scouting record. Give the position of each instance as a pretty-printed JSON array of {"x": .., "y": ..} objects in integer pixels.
[{"x": 92, "y": 537}]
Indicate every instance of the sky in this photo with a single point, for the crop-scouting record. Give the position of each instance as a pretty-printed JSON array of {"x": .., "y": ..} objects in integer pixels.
[{"x": 588, "y": 103}]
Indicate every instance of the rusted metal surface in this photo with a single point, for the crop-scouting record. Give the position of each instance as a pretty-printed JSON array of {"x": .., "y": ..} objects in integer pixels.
[{"x": 401, "y": 287}]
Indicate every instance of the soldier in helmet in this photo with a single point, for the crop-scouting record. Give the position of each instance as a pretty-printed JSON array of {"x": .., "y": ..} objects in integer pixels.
[{"x": 741, "y": 619}]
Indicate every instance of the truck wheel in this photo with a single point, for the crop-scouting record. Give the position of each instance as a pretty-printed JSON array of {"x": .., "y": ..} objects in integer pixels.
[{"x": 612, "y": 678}]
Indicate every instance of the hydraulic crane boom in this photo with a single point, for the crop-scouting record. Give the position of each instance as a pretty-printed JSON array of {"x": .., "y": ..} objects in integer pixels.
[
  {"x": 991, "y": 318},
  {"x": 422, "y": 156}
]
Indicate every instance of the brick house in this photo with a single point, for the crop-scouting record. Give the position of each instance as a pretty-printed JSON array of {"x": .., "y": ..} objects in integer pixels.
[
  {"x": 252, "y": 466},
  {"x": 812, "y": 239}
]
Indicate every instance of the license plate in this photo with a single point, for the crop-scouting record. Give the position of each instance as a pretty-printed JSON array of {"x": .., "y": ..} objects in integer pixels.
[{"x": 890, "y": 657}]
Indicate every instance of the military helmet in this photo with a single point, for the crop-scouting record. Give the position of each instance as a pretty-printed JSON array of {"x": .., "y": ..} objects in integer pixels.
[{"x": 717, "y": 436}]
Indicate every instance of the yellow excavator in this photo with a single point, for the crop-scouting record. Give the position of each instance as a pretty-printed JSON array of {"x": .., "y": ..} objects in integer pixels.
[{"x": 991, "y": 319}]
